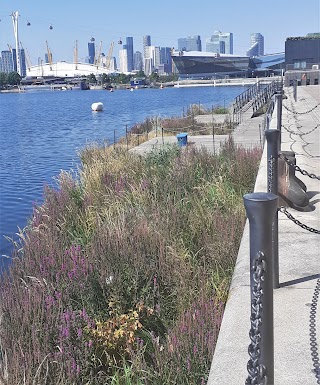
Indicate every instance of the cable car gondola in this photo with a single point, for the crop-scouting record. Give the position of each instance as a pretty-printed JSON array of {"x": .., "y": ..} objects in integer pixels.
[
  {"x": 28, "y": 24},
  {"x": 50, "y": 26},
  {"x": 120, "y": 41}
]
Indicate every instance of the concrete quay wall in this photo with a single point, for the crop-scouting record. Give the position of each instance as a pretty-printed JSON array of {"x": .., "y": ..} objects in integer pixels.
[{"x": 299, "y": 249}]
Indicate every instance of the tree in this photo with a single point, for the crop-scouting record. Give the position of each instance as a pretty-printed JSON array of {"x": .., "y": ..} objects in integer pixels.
[
  {"x": 105, "y": 79},
  {"x": 3, "y": 79},
  {"x": 91, "y": 78},
  {"x": 13, "y": 78},
  {"x": 141, "y": 74}
]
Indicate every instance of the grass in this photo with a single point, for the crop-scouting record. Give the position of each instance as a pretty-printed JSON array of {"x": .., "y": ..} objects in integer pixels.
[{"x": 122, "y": 274}]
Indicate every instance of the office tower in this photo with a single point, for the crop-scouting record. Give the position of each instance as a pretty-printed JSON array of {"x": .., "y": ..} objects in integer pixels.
[
  {"x": 129, "y": 47},
  {"x": 137, "y": 61},
  {"x": 23, "y": 63},
  {"x": 7, "y": 61},
  {"x": 190, "y": 43},
  {"x": 220, "y": 42},
  {"x": 165, "y": 59},
  {"x": 146, "y": 44},
  {"x": 91, "y": 51},
  {"x": 123, "y": 60},
  {"x": 182, "y": 44},
  {"x": 257, "y": 45}
]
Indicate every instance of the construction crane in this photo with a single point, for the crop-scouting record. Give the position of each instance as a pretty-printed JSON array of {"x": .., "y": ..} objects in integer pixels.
[
  {"x": 76, "y": 55},
  {"x": 108, "y": 60},
  {"x": 49, "y": 56},
  {"x": 97, "y": 59},
  {"x": 10, "y": 48}
]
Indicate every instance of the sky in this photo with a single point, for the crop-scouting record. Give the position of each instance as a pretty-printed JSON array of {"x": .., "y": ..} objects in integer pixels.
[{"x": 165, "y": 21}]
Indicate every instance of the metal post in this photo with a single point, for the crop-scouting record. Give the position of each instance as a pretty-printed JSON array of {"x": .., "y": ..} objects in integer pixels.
[
  {"x": 295, "y": 89},
  {"x": 127, "y": 137},
  {"x": 214, "y": 149},
  {"x": 261, "y": 208},
  {"x": 279, "y": 115},
  {"x": 114, "y": 138},
  {"x": 162, "y": 135},
  {"x": 272, "y": 137}
]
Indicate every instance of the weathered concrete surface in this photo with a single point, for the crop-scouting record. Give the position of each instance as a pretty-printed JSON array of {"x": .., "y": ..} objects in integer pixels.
[{"x": 299, "y": 264}]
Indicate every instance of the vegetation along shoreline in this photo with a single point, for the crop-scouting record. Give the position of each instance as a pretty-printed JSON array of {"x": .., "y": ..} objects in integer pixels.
[{"x": 122, "y": 274}]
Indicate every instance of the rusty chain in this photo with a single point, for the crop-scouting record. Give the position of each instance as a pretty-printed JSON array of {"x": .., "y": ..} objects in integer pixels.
[
  {"x": 283, "y": 210},
  {"x": 257, "y": 371},
  {"x": 300, "y": 134},
  {"x": 297, "y": 168}
]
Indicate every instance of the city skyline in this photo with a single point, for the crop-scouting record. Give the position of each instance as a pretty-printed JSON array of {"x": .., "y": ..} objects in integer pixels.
[{"x": 165, "y": 25}]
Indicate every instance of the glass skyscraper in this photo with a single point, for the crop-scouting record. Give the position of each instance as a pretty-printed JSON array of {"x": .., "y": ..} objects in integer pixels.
[
  {"x": 91, "y": 51},
  {"x": 257, "y": 45},
  {"x": 190, "y": 43},
  {"x": 129, "y": 47},
  {"x": 220, "y": 42}
]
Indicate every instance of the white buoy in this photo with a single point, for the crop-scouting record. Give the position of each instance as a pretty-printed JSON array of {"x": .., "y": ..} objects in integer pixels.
[{"x": 97, "y": 106}]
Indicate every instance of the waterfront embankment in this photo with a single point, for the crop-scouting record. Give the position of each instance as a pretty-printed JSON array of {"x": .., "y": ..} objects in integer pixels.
[{"x": 296, "y": 310}]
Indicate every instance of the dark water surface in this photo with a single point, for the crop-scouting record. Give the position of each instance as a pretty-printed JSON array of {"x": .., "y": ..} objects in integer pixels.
[{"x": 41, "y": 132}]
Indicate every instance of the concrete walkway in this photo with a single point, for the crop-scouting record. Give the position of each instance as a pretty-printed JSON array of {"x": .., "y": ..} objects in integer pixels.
[
  {"x": 296, "y": 330},
  {"x": 296, "y": 333},
  {"x": 248, "y": 134}
]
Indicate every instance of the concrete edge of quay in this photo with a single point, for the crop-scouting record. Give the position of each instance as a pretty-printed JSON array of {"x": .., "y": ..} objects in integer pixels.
[{"x": 299, "y": 272}]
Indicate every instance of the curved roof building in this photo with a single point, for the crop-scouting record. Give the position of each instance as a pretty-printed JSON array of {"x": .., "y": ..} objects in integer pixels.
[
  {"x": 211, "y": 65},
  {"x": 66, "y": 70}
]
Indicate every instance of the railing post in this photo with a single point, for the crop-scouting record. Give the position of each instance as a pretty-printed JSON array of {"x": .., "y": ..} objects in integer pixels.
[
  {"x": 295, "y": 89},
  {"x": 261, "y": 208},
  {"x": 127, "y": 137},
  {"x": 279, "y": 115},
  {"x": 272, "y": 137}
]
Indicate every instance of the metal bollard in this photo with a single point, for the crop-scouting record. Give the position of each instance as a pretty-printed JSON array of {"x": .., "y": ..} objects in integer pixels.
[
  {"x": 272, "y": 137},
  {"x": 261, "y": 209}
]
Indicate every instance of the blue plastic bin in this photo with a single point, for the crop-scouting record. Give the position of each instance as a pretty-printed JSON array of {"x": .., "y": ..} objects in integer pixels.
[{"x": 182, "y": 139}]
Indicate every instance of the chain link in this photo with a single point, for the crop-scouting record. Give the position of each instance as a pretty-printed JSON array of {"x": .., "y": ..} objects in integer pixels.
[
  {"x": 257, "y": 371},
  {"x": 300, "y": 134},
  {"x": 283, "y": 210},
  {"x": 301, "y": 113},
  {"x": 271, "y": 163},
  {"x": 297, "y": 168},
  {"x": 313, "y": 331}
]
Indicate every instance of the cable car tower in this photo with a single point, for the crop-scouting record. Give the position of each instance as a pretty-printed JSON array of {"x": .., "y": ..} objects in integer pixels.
[{"x": 15, "y": 16}]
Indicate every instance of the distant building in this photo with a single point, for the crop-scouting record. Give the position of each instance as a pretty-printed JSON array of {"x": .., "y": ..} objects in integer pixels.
[
  {"x": 129, "y": 47},
  {"x": 137, "y": 61},
  {"x": 91, "y": 51},
  {"x": 8, "y": 62},
  {"x": 146, "y": 43},
  {"x": 165, "y": 59},
  {"x": 220, "y": 42},
  {"x": 152, "y": 61},
  {"x": 190, "y": 43},
  {"x": 302, "y": 59},
  {"x": 257, "y": 45},
  {"x": 123, "y": 60}
]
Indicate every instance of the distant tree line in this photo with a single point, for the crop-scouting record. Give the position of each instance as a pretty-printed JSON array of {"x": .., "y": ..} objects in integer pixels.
[{"x": 14, "y": 79}]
